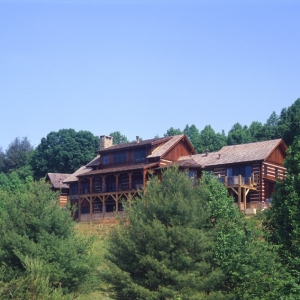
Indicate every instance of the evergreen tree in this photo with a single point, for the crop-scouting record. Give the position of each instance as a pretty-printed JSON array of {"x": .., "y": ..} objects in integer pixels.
[
  {"x": 289, "y": 123},
  {"x": 283, "y": 217},
  {"x": 33, "y": 228},
  {"x": 210, "y": 140},
  {"x": 173, "y": 131},
  {"x": 164, "y": 249}
]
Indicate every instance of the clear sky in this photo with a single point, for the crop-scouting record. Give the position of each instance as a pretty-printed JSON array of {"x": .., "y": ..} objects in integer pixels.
[{"x": 141, "y": 67}]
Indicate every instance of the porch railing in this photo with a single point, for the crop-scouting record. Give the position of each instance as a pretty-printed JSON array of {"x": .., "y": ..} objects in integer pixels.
[{"x": 239, "y": 180}]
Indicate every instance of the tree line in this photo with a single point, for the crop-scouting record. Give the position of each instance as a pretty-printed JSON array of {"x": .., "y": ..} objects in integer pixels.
[{"x": 66, "y": 150}]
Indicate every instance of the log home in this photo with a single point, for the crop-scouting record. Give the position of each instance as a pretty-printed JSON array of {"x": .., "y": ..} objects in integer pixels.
[
  {"x": 119, "y": 172},
  {"x": 57, "y": 184},
  {"x": 249, "y": 171}
]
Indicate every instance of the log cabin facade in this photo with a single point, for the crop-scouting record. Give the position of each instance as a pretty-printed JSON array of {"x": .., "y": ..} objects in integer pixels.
[
  {"x": 249, "y": 171},
  {"x": 56, "y": 181},
  {"x": 120, "y": 172}
]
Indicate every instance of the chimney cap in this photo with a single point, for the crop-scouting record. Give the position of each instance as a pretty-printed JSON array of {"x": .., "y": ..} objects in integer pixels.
[{"x": 137, "y": 139}]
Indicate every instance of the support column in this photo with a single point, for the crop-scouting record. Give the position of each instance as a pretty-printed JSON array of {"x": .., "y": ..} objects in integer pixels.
[
  {"x": 91, "y": 208},
  {"x": 245, "y": 199},
  {"x": 117, "y": 181},
  {"x": 79, "y": 209},
  {"x": 103, "y": 184},
  {"x": 144, "y": 178},
  {"x": 130, "y": 181},
  {"x": 91, "y": 185}
]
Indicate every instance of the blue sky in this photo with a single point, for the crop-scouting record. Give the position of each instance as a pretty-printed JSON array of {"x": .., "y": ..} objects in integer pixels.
[{"x": 141, "y": 67}]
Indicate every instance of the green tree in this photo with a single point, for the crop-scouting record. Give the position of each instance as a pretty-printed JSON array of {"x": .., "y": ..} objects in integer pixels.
[
  {"x": 63, "y": 152},
  {"x": 289, "y": 123},
  {"x": 119, "y": 138},
  {"x": 164, "y": 249},
  {"x": 34, "y": 229},
  {"x": 193, "y": 135},
  {"x": 283, "y": 217},
  {"x": 270, "y": 127},
  {"x": 238, "y": 134},
  {"x": 211, "y": 140},
  {"x": 257, "y": 132},
  {"x": 173, "y": 131}
]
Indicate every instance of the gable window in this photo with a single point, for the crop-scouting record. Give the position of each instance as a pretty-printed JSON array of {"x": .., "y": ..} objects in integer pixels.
[
  {"x": 139, "y": 155},
  {"x": 120, "y": 157},
  {"x": 105, "y": 159},
  {"x": 244, "y": 171}
]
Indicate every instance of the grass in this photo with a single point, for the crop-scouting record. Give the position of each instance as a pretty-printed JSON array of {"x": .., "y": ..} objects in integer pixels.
[{"x": 100, "y": 231}]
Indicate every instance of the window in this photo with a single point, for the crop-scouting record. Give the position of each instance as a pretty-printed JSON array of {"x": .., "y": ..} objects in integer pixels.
[
  {"x": 139, "y": 155},
  {"x": 276, "y": 173},
  {"x": 74, "y": 189},
  {"x": 120, "y": 157},
  {"x": 244, "y": 171},
  {"x": 193, "y": 176},
  {"x": 105, "y": 159}
]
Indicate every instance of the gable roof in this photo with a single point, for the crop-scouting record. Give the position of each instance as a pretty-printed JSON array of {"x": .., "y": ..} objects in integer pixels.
[
  {"x": 57, "y": 180},
  {"x": 164, "y": 148},
  {"x": 95, "y": 162},
  {"x": 73, "y": 177},
  {"x": 135, "y": 144},
  {"x": 258, "y": 151}
]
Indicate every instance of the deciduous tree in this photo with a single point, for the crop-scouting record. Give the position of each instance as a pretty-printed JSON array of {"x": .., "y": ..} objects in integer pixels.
[{"x": 64, "y": 152}]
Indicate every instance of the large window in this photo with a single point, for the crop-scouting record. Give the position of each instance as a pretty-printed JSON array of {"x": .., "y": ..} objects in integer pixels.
[
  {"x": 139, "y": 155},
  {"x": 74, "y": 188},
  {"x": 120, "y": 157},
  {"x": 244, "y": 171},
  {"x": 105, "y": 159}
]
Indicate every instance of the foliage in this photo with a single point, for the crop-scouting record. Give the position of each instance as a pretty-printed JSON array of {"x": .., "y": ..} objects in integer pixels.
[
  {"x": 164, "y": 250},
  {"x": 210, "y": 140},
  {"x": 289, "y": 122},
  {"x": 63, "y": 152},
  {"x": 173, "y": 131},
  {"x": 238, "y": 134},
  {"x": 35, "y": 230},
  {"x": 283, "y": 218},
  {"x": 119, "y": 138},
  {"x": 16, "y": 156}
]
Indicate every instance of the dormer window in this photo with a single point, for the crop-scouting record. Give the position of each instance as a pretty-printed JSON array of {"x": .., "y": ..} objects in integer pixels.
[
  {"x": 105, "y": 159},
  {"x": 120, "y": 157},
  {"x": 139, "y": 155}
]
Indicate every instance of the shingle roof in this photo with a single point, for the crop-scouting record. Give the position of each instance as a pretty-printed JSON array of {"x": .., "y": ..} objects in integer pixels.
[
  {"x": 81, "y": 170},
  {"x": 257, "y": 151},
  {"x": 57, "y": 180},
  {"x": 95, "y": 162},
  {"x": 135, "y": 144},
  {"x": 120, "y": 169},
  {"x": 161, "y": 150}
]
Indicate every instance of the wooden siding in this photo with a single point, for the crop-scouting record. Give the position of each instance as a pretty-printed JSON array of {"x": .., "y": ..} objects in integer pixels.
[
  {"x": 178, "y": 150},
  {"x": 270, "y": 173},
  {"x": 63, "y": 200},
  {"x": 276, "y": 157}
]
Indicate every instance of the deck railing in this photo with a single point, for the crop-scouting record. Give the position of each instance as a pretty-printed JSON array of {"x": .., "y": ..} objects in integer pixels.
[{"x": 239, "y": 180}]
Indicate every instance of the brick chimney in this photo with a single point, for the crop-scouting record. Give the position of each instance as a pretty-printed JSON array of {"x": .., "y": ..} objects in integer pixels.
[{"x": 106, "y": 141}]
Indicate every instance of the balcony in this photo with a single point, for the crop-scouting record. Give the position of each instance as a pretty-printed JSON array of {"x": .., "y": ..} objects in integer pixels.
[{"x": 240, "y": 181}]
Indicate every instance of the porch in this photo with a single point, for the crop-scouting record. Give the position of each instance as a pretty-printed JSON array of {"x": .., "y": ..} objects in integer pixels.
[{"x": 241, "y": 186}]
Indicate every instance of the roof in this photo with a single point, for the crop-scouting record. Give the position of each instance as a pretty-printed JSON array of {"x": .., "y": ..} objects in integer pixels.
[
  {"x": 131, "y": 167},
  {"x": 81, "y": 170},
  {"x": 135, "y": 144},
  {"x": 161, "y": 150},
  {"x": 258, "y": 151},
  {"x": 95, "y": 162},
  {"x": 57, "y": 180}
]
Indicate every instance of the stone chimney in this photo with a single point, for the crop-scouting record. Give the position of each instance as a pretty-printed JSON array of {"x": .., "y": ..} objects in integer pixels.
[{"x": 106, "y": 141}]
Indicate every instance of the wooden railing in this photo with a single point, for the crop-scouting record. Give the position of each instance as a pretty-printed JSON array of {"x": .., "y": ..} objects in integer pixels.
[{"x": 232, "y": 181}]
